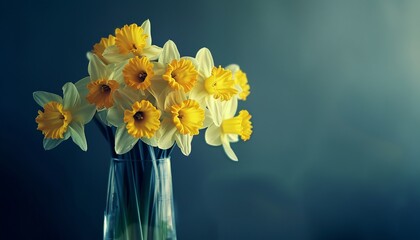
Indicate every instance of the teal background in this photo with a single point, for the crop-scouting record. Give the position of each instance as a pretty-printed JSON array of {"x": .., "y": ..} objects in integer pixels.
[{"x": 335, "y": 102}]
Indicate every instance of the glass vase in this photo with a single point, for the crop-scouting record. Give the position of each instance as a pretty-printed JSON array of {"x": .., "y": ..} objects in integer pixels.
[{"x": 139, "y": 202}]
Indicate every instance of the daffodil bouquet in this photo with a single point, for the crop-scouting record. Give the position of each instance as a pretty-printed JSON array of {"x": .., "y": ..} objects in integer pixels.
[{"x": 145, "y": 100}]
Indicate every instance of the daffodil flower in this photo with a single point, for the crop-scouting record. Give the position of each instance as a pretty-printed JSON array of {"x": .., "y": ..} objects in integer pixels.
[
  {"x": 130, "y": 41},
  {"x": 214, "y": 85},
  {"x": 174, "y": 73},
  {"x": 135, "y": 117},
  {"x": 63, "y": 117},
  {"x": 182, "y": 119},
  {"x": 241, "y": 81},
  {"x": 100, "y": 47},
  {"x": 104, "y": 81},
  {"x": 229, "y": 128},
  {"x": 180, "y": 73}
]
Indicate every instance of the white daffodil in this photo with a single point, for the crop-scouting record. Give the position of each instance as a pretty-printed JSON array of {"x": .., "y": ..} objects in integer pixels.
[
  {"x": 241, "y": 81},
  {"x": 132, "y": 40},
  {"x": 182, "y": 119},
  {"x": 135, "y": 117},
  {"x": 214, "y": 85},
  {"x": 227, "y": 129},
  {"x": 63, "y": 117}
]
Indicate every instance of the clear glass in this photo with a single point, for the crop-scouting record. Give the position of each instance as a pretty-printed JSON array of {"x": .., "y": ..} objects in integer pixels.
[{"x": 140, "y": 200}]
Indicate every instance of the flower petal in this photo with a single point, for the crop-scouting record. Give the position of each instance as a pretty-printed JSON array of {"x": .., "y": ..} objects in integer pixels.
[
  {"x": 208, "y": 120},
  {"x": 214, "y": 106},
  {"x": 169, "y": 53},
  {"x": 71, "y": 98},
  {"x": 205, "y": 61},
  {"x": 174, "y": 97},
  {"x": 150, "y": 141},
  {"x": 124, "y": 142},
  {"x": 152, "y": 52},
  {"x": 49, "y": 143},
  {"x": 81, "y": 86},
  {"x": 43, "y": 98},
  {"x": 115, "y": 117},
  {"x": 184, "y": 143},
  {"x": 233, "y": 137},
  {"x": 77, "y": 131},
  {"x": 228, "y": 149},
  {"x": 233, "y": 68},
  {"x": 198, "y": 93},
  {"x": 213, "y": 135},
  {"x": 112, "y": 55},
  {"x": 147, "y": 30},
  {"x": 84, "y": 113},
  {"x": 102, "y": 115},
  {"x": 165, "y": 134},
  {"x": 96, "y": 68},
  {"x": 229, "y": 108}
]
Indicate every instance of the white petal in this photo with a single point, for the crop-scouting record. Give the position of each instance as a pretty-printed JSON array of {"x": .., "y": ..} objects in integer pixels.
[
  {"x": 213, "y": 135},
  {"x": 205, "y": 61},
  {"x": 150, "y": 141},
  {"x": 233, "y": 67},
  {"x": 233, "y": 137},
  {"x": 71, "y": 98},
  {"x": 174, "y": 97},
  {"x": 81, "y": 86},
  {"x": 124, "y": 142},
  {"x": 89, "y": 55},
  {"x": 169, "y": 53},
  {"x": 43, "y": 98},
  {"x": 77, "y": 131},
  {"x": 229, "y": 108},
  {"x": 49, "y": 143},
  {"x": 193, "y": 61},
  {"x": 115, "y": 117},
  {"x": 158, "y": 89},
  {"x": 115, "y": 71},
  {"x": 152, "y": 52},
  {"x": 198, "y": 93},
  {"x": 84, "y": 112},
  {"x": 166, "y": 134},
  {"x": 228, "y": 149},
  {"x": 125, "y": 97},
  {"x": 208, "y": 120},
  {"x": 112, "y": 55},
  {"x": 96, "y": 68},
  {"x": 147, "y": 30},
  {"x": 184, "y": 143},
  {"x": 214, "y": 106},
  {"x": 102, "y": 115}
]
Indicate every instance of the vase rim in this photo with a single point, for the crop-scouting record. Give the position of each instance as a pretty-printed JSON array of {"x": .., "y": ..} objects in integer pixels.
[{"x": 140, "y": 160}]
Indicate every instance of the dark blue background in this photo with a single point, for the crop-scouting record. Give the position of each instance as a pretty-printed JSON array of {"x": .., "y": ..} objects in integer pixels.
[{"x": 335, "y": 100}]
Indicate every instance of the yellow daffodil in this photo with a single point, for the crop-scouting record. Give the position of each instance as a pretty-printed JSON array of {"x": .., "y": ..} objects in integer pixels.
[
  {"x": 225, "y": 130},
  {"x": 182, "y": 119},
  {"x": 100, "y": 47},
  {"x": 180, "y": 73},
  {"x": 63, "y": 117},
  {"x": 135, "y": 117},
  {"x": 104, "y": 81},
  {"x": 214, "y": 85},
  {"x": 241, "y": 81},
  {"x": 130, "y": 41}
]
